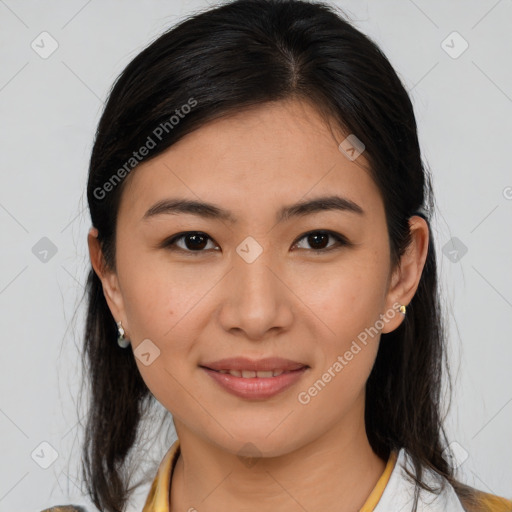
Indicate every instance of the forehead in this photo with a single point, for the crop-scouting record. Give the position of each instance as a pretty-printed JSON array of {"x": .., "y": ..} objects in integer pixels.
[{"x": 274, "y": 153}]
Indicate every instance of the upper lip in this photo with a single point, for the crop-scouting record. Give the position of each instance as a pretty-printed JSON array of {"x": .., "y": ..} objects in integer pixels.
[{"x": 243, "y": 363}]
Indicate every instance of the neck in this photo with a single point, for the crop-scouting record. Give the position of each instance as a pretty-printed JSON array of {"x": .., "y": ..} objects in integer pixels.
[{"x": 335, "y": 472}]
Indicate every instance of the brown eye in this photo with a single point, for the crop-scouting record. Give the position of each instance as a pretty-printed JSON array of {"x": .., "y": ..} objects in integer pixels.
[
  {"x": 318, "y": 240},
  {"x": 193, "y": 241}
]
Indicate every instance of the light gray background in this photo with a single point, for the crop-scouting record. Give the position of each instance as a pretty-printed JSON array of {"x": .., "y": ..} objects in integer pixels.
[{"x": 49, "y": 111}]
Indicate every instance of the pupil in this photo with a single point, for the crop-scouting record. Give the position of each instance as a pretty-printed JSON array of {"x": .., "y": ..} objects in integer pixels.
[
  {"x": 195, "y": 238},
  {"x": 316, "y": 237}
]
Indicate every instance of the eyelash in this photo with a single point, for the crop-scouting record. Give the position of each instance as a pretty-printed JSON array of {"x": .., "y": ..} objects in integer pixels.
[{"x": 170, "y": 243}]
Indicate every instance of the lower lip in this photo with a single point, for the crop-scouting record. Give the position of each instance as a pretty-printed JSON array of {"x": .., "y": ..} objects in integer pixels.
[{"x": 256, "y": 387}]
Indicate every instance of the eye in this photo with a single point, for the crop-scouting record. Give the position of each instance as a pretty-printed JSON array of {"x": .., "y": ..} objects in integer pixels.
[
  {"x": 318, "y": 239},
  {"x": 197, "y": 241},
  {"x": 194, "y": 241}
]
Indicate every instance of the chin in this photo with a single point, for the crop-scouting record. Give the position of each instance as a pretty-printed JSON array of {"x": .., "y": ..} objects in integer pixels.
[{"x": 256, "y": 444}]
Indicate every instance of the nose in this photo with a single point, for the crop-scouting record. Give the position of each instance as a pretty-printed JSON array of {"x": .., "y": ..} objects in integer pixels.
[{"x": 257, "y": 302}]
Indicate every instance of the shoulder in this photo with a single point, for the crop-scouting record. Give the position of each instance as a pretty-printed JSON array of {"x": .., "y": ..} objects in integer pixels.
[{"x": 475, "y": 500}]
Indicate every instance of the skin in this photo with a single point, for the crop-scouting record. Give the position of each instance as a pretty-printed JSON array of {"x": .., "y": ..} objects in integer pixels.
[{"x": 293, "y": 301}]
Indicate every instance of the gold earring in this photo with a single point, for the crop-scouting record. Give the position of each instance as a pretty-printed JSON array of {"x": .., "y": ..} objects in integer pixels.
[{"x": 402, "y": 309}]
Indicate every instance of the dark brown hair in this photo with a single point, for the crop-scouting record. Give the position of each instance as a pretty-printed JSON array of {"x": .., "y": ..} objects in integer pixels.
[{"x": 238, "y": 55}]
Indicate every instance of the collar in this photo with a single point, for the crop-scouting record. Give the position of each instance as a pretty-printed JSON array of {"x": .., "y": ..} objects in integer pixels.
[
  {"x": 159, "y": 493},
  {"x": 399, "y": 491}
]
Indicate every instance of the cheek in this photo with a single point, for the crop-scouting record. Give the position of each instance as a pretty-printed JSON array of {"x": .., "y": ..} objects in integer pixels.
[
  {"x": 158, "y": 315},
  {"x": 338, "y": 389},
  {"x": 348, "y": 351},
  {"x": 348, "y": 301},
  {"x": 154, "y": 294},
  {"x": 164, "y": 307}
]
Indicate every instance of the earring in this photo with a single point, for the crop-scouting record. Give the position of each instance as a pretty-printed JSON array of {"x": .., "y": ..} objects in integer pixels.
[
  {"x": 121, "y": 340},
  {"x": 402, "y": 309}
]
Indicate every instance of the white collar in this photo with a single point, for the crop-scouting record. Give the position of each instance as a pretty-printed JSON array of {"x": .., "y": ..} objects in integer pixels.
[{"x": 398, "y": 496}]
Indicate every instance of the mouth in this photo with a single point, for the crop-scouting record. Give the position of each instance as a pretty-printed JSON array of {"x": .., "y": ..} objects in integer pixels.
[
  {"x": 250, "y": 374},
  {"x": 255, "y": 379}
]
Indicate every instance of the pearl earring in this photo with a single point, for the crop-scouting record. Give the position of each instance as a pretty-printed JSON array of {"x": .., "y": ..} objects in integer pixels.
[{"x": 121, "y": 340}]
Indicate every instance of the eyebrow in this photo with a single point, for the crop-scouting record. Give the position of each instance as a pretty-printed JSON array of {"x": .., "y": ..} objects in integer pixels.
[{"x": 207, "y": 210}]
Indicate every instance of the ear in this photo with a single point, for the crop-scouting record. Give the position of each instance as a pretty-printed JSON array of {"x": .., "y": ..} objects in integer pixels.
[
  {"x": 108, "y": 278},
  {"x": 406, "y": 277}
]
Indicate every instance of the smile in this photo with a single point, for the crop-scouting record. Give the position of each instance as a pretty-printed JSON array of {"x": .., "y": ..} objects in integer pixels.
[
  {"x": 248, "y": 374},
  {"x": 255, "y": 385}
]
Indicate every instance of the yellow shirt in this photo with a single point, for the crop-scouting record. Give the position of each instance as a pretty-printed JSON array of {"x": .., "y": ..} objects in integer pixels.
[{"x": 381, "y": 497}]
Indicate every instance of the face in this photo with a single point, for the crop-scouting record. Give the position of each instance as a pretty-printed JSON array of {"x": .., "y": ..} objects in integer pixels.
[{"x": 192, "y": 289}]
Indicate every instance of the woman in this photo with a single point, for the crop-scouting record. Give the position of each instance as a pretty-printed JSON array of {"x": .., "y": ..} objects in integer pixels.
[{"x": 261, "y": 249}]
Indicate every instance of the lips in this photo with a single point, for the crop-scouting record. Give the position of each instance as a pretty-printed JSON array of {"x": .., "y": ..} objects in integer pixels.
[
  {"x": 249, "y": 368},
  {"x": 256, "y": 384}
]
